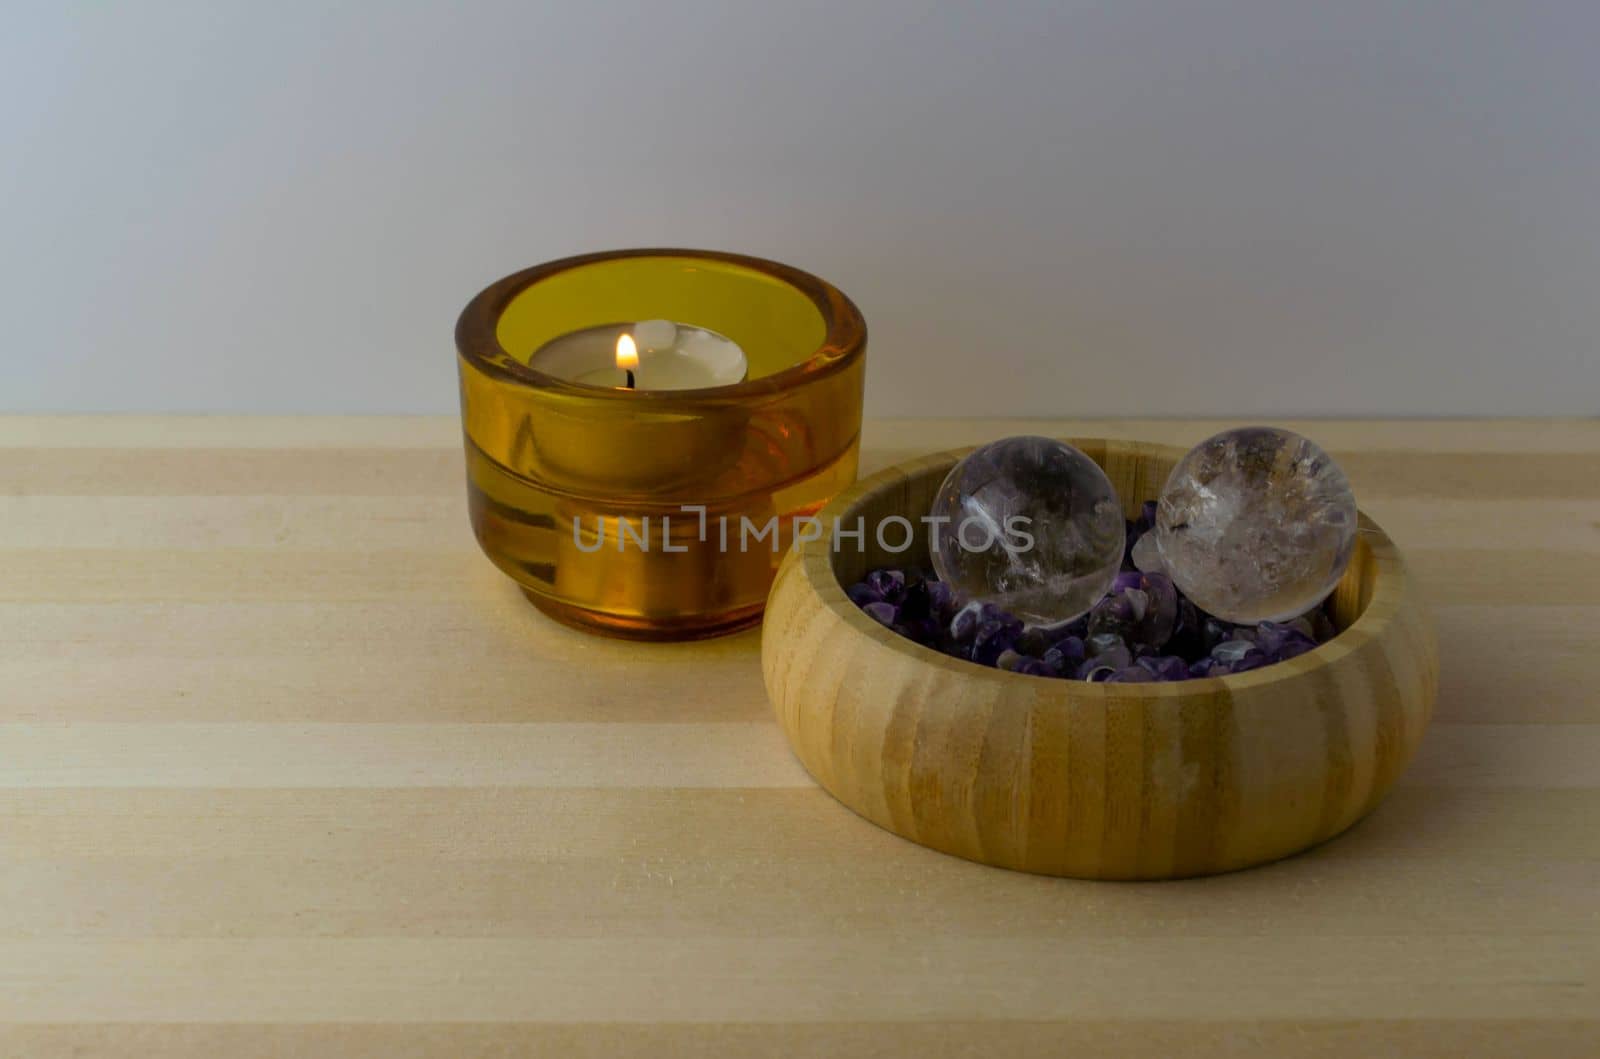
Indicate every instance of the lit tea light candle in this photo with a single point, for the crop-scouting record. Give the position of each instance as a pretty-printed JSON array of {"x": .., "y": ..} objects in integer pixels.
[
  {"x": 628, "y": 358},
  {"x": 651, "y": 355}
]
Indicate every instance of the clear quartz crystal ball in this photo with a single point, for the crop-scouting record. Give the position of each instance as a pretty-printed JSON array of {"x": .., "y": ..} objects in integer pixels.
[
  {"x": 1256, "y": 524},
  {"x": 1030, "y": 525}
]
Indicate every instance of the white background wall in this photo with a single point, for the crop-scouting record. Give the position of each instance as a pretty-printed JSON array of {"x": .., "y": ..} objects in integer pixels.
[{"x": 1125, "y": 208}]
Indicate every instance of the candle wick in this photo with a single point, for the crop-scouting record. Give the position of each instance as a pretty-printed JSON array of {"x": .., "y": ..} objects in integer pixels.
[{"x": 630, "y": 377}]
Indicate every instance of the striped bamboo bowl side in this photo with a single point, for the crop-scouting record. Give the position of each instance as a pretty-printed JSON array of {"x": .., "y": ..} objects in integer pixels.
[{"x": 1103, "y": 781}]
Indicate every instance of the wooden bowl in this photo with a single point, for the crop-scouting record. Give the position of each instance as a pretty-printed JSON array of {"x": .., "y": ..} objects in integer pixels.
[{"x": 1101, "y": 781}]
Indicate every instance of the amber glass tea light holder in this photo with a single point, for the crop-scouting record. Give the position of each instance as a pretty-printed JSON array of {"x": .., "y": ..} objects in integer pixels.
[{"x": 656, "y": 513}]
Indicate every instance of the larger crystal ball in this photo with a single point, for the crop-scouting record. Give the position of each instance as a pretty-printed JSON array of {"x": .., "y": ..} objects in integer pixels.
[
  {"x": 1256, "y": 524},
  {"x": 1030, "y": 525}
]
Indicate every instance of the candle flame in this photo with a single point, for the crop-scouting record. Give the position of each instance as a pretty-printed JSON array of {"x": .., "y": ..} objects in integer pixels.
[{"x": 627, "y": 353}]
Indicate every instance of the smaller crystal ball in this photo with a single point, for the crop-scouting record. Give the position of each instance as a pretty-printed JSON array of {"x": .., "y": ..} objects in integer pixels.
[
  {"x": 1030, "y": 525},
  {"x": 1256, "y": 524}
]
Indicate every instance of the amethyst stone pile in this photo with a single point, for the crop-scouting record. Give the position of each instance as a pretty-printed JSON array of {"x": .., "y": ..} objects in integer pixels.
[{"x": 1143, "y": 630}]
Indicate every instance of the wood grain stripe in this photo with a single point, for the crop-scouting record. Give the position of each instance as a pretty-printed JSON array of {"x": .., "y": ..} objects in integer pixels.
[
  {"x": 332, "y": 472},
  {"x": 777, "y": 978},
  {"x": 429, "y": 755},
  {"x": 473, "y": 660},
  {"x": 1437, "y": 823},
  {"x": 859, "y": 885},
  {"x": 1137, "y": 1038},
  {"x": 1340, "y": 759}
]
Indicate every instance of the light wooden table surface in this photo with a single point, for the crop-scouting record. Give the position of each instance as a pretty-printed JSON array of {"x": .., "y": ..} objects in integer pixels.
[{"x": 286, "y": 767}]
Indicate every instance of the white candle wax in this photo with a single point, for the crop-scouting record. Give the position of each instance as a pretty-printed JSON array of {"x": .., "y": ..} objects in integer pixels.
[{"x": 671, "y": 357}]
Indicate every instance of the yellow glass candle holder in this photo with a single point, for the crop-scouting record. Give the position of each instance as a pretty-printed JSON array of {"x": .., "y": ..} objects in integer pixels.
[{"x": 656, "y": 514}]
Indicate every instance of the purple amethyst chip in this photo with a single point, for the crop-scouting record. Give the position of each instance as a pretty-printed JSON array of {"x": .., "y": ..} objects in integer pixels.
[{"x": 1143, "y": 630}]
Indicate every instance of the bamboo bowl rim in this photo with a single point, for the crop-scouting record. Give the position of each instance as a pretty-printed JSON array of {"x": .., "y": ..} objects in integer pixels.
[{"x": 815, "y": 561}]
